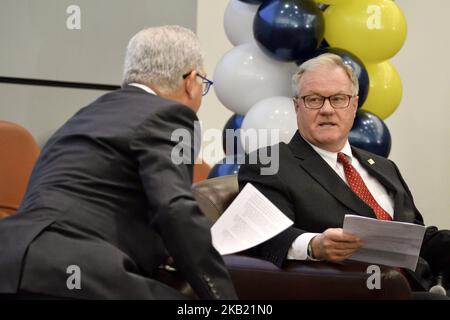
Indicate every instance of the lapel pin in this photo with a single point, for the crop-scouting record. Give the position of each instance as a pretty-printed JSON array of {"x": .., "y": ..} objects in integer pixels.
[{"x": 370, "y": 161}]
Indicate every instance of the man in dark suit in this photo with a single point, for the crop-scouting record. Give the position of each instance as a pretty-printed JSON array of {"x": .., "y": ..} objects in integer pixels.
[
  {"x": 321, "y": 178},
  {"x": 109, "y": 200}
]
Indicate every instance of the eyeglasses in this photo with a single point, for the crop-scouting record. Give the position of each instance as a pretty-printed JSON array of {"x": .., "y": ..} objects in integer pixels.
[
  {"x": 205, "y": 81},
  {"x": 337, "y": 101}
]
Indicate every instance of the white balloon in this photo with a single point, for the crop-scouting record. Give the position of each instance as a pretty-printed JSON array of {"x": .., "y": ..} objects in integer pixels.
[
  {"x": 271, "y": 113},
  {"x": 238, "y": 22},
  {"x": 245, "y": 75}
]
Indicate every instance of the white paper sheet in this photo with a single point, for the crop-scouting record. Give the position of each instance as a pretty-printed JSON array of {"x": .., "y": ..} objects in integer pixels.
[
  {"x": 388, "y": 243},
  {"x": 250, "y": 220}
]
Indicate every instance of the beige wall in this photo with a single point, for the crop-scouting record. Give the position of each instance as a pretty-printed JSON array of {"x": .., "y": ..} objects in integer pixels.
[
  {"x": 35, "y": 43},
  {"x": 420, "y": 127},
  {"x": 215, "y": 43}
]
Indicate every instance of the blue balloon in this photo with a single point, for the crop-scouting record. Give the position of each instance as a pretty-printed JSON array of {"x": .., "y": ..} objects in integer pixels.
[
  {"x": 227, "y": 166},
  {"x": 322, "y": 6},
  {"x": 324, "y": 44},
  {"x": 370, "y": 133},
  {"x": 287, "y": 30},
  {"x": 235, "y": 146}
]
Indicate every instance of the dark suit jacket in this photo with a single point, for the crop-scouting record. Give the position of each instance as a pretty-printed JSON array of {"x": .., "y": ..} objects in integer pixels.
[
  {"x": 105, "y": 196},
  {"x": 310, "y": 193}
]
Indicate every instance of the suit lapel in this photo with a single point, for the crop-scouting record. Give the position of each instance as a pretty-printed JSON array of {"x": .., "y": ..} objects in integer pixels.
[
  {"x": 318, "y": 169},
  {"x": 375, "y": 168}
]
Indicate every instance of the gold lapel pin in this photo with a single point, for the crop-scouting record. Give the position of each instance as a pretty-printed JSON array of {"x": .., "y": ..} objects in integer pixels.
[{"x": 370, "y": 161}]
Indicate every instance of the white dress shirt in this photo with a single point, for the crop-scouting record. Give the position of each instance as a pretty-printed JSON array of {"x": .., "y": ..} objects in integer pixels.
[{"x": 298, "y": 249}]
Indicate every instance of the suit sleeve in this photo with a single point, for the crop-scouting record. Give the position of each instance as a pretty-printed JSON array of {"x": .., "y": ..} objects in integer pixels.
[
  {"x": 173, "y": 209},
  {"x": 276, "y": 248}
]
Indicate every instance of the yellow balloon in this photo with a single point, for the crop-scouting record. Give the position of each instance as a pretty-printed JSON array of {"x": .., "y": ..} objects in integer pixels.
[
  {"x": 330, "y": 1},
  {"x": 374, "y": 30},
  {"x": 385, "y": 90}
]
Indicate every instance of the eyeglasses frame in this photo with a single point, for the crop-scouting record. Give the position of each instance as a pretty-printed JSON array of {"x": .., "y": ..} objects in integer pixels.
[
  {"x": 325, "y": 98},
  {"x": 208, "y": 83}
]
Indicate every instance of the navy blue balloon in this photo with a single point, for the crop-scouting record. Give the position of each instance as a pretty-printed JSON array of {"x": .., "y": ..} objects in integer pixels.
[
  {"x": 234, "y": 123},
  {"x": 322, "y": 6},
  {"x": 224, "y": 168},
  {"x": 349, "y": 59},
  {"x": 324, "y": 44},
  {"x": 370, "y": 133},
  {"x": 288, "y": 30}
]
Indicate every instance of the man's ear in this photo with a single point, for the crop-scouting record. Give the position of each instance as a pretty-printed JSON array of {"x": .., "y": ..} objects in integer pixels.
[
  {"x": 295, "y": 105},
  {"x": 189, "y": 82},
  {"x": 356, "y": 104}
]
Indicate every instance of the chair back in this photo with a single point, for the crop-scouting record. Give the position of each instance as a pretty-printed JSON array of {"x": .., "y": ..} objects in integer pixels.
[
  {"x": 18, "y": 154},
  {"x": 215, "y": 195}
]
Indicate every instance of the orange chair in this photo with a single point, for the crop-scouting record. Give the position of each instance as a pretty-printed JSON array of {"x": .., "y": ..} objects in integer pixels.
[
  {"x": 201, "y": 171},
  {"x": 18, "y": 153}
]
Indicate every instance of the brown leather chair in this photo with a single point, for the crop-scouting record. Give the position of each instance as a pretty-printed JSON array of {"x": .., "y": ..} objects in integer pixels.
[
  {"x": 18, "y": 153},
  {"x": 255, "y": 278}
]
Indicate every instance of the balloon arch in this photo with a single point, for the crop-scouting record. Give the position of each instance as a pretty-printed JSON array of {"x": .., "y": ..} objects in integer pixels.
[{"x": 271, "y": 37}]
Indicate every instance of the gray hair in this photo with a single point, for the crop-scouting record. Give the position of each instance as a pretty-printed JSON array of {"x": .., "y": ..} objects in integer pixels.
[
  {"x": 159, "y": 56},
  {"x": 325, "y": 60}
]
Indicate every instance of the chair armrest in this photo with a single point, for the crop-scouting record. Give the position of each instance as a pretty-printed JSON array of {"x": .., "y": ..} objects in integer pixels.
[
  {"x": 258, "y": 279},
  {"x": 255, "y": 278}
]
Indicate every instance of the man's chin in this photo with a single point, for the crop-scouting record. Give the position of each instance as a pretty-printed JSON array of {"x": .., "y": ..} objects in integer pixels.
[{"x": 329, "y": 142}]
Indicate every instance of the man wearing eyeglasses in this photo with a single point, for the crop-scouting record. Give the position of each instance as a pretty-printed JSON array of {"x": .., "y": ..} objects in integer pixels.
[
  {"x": 106, "y": 204},
  {"x": 321, "y": 178}
]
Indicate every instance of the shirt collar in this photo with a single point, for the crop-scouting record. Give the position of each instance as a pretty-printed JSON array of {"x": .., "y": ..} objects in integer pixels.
[
  {"x": 143, "y": 87},
  {"x": 331, "y": 157}
]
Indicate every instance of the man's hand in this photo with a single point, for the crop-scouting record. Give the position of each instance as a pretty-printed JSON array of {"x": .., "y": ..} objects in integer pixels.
[{"x": 334, "y": 245}]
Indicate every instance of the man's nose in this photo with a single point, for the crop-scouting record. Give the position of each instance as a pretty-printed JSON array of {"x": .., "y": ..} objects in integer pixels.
[{"x": 327, "y": 107}]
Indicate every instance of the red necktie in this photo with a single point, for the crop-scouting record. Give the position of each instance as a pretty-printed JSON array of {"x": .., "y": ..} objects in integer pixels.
[{"x": 358, "y": 186}]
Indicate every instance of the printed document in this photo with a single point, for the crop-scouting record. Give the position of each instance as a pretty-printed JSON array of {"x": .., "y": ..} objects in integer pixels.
[
  {"x": 390, "y": 243},
  {"x": 250, "y": 220}
]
